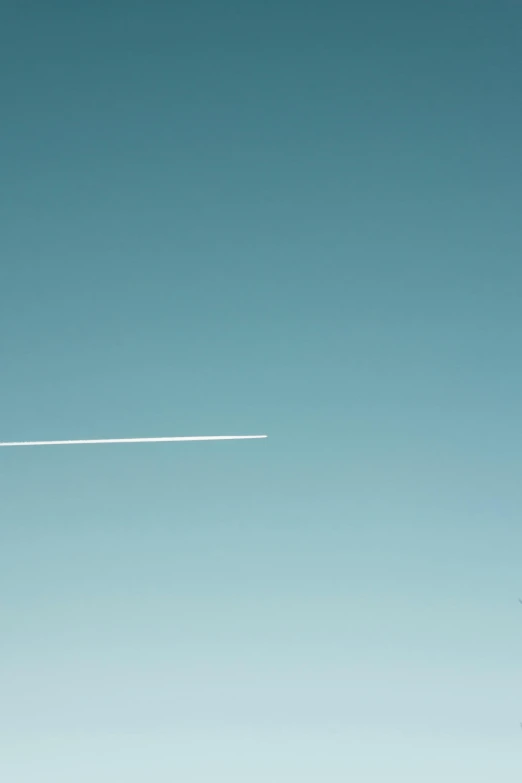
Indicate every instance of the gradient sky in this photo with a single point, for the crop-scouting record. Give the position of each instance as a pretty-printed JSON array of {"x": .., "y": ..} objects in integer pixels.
[{"x": 294, "y": 218}]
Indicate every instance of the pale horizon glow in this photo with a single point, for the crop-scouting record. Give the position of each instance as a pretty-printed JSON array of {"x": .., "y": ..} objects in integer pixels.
[{"x": 131, "y": 440}]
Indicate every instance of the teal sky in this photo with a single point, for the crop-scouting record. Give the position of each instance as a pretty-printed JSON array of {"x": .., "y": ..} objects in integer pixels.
[{"x": 294, "y": 218}]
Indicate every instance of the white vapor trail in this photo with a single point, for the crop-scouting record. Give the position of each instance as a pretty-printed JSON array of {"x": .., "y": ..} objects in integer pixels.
[{"x": 130, "y": 440}]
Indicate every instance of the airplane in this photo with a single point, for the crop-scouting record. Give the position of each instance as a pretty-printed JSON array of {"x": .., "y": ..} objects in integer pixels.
[{"x": 129, "y": 440}]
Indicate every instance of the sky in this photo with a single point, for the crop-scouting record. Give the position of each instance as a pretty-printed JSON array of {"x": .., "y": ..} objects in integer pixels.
[{"x": 299, "y": 219}]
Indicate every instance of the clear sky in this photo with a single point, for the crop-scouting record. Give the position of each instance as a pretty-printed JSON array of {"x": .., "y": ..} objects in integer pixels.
[{"x": 294, "y": 218}]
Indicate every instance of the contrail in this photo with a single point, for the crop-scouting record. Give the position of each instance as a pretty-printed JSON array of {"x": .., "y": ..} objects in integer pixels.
[{"x": 130, "y": 440}]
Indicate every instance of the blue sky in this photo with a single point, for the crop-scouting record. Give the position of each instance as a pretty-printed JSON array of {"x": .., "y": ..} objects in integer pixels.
[{"x": 300, "y": 219}]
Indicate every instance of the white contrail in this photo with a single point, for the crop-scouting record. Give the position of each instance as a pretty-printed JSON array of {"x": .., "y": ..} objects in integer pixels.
[{"x": 129, "y": 440}]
